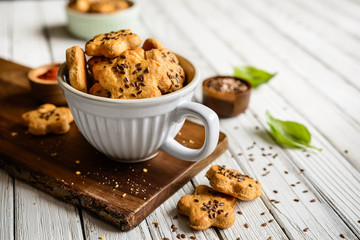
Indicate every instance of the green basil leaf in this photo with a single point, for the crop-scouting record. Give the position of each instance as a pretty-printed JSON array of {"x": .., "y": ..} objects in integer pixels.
[
  {"x": 253, "y": 75},
  {"x": 291, "y": 134}
]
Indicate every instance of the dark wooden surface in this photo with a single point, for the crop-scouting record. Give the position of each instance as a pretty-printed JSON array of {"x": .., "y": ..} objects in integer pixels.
[{"x": 49, "y": 162}]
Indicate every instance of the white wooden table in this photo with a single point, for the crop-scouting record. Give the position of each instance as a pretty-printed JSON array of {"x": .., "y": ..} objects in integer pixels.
[{"x": 315, "y": 48}]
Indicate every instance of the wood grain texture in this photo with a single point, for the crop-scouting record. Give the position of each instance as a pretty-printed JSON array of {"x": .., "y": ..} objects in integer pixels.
[
  {"x": 6, "y": 206},
  {"x": 96, "y": 183},
  {"x": 33, "y": 206}
]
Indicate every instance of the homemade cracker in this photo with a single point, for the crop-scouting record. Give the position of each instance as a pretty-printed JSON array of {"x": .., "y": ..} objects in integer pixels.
[{"x": 207, "y": 208}]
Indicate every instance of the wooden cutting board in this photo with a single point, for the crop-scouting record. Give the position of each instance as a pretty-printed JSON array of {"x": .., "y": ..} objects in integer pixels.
[{"x": 122, "y": 194}]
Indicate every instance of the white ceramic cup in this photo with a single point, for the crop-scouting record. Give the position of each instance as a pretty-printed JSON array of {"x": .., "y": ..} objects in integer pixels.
[{"x": 134, "y": 130}]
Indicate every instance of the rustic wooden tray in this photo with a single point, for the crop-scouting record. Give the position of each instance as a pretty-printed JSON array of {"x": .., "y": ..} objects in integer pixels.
[{"x": 122, "y": 194}]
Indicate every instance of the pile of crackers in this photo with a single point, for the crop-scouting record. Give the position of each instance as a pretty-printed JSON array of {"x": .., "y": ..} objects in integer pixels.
[
  {"x": 214, "y": 206},
  {"x": 98, "y": 6},
  {"x": 119, "y": 68}
]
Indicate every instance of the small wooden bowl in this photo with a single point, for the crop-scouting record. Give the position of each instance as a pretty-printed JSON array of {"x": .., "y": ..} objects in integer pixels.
[
  {"x": 46, "y": 91},
  {"x": 223, "y": 103}
]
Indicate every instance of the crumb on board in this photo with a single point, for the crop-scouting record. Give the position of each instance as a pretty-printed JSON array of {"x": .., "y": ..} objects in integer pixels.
[
  {"x": 78, "y": 172},
  {"x": 13, "y": 134},
  {"x": 77, "y": 161},
  {"x": 145, "y": 170},
  {"x": 53, "y": 154},
  {"x": 124, "y": 195}
]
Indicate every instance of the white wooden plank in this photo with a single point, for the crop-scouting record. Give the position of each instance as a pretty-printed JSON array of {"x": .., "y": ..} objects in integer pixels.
[
  {"x": 322, "y": 221},
  {"x": 332, "y": 58},
  {"x": 30, "y": 46},
  {"x": 5, "y": 30},
  {"x": 6, "y": 206},
  {"x": 40, "y": 216},
  {"x": 224, "y": 56},
  {"x": 347, "y": 8},
  {"x": 95, "y": 229},
  {"x": 342, "y": 21},
  {"x": 319, "y": 26},
  {"x": 325, "y": 116},
  {"x": 322, "y": 169},
  {"x": 251, "y": 211}
]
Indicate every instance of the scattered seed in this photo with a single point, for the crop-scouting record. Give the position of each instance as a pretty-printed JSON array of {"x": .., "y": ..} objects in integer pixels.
[
  {"x": 192, "y": 237},
  {"x": 78, "y": 172},
  {"x": 77, "y": 161},
  {"x": 275, "y": 191},
  {"x": 262, "y": 213},
  {"x": 239, "y": 212},
  {"x": 305, "y": 191},
  {"x": 312, "y": 200},
  {"x": 302, "y": 170},
  {"x": 165, "y": 238},
  {"x": 293, "y": 185},
  {"x": 145, "y": 170},
  {"x": 246, "y": 225},
  {"x": 346, "y": 151},
  {"x": 342, "y": 235},
  {"x": 296, "y": 200},
  {"x": 183, "y": 236},
  {"x": 271, "y": 220},
  {"x": 286, "y": 172},
  {"x": 264, "y": 224},
  {"x": 156, "y": 224},
  {"x": 124, "y": 195},
  {"x": 13, "y": 134},
  {"x": 306, "y": 229}
]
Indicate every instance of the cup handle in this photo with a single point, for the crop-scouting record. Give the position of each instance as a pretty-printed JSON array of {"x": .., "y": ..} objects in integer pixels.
[{"x": 211, "y": 124}]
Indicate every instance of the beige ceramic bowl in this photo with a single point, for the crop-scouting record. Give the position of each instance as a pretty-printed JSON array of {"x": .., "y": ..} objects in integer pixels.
[
  {"x": 46, "y": 91},
  {"x": 87, "y": 25}
]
